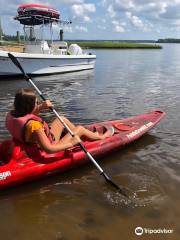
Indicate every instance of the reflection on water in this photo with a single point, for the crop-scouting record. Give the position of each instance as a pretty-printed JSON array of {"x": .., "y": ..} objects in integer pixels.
[{"x": 79, "y": 204}]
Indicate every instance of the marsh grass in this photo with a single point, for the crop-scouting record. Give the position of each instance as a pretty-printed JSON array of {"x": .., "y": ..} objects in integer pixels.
[{"x": 116, "y": 45}]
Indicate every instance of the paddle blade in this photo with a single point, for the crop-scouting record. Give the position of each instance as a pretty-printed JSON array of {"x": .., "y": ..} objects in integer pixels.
[
  {"x": 18, "y": 65},
  {"x": 121, "y": 190}
]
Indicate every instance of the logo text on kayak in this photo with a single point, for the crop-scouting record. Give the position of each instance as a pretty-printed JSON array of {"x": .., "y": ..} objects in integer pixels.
[
  {"x": 4, "y": 175},
  {"x": 139, "y": 130}
]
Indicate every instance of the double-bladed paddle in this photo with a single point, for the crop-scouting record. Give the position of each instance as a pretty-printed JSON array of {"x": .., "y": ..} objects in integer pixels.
[{"x": 120, "y": 189}]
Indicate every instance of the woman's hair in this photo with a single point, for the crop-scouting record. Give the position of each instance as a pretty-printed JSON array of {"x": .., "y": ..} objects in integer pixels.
[{"x": 24, "y": 102}]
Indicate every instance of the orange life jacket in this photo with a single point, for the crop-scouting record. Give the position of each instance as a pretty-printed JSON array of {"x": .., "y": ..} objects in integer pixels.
[{"x": 17, "y": 127}]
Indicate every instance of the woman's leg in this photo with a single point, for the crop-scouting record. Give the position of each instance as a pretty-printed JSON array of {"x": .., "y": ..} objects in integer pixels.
[
  {"x": 83, "y": 132},
  {"x": 57, "y": 127}
]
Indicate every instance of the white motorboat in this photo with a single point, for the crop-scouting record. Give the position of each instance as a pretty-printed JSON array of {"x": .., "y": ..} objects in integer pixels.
[{"x": 40, "y": 57}]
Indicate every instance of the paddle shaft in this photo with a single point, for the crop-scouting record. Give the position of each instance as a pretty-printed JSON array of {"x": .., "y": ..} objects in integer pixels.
[
  {"x": 16, "y": 62},
  {"x": 66, "y": 126},
  {"x": 70, "y": 131}
]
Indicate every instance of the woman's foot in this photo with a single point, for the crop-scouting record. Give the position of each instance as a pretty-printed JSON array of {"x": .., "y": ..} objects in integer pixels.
[{"x": 108, "y": 133}]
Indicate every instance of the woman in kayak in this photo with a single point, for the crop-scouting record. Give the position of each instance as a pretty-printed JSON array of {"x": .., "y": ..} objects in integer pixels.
[{"x": 26, "y": 126}]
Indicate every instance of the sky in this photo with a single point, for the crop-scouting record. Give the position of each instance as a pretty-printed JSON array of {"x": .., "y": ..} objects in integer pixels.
[{"x": 105, "y": 19}]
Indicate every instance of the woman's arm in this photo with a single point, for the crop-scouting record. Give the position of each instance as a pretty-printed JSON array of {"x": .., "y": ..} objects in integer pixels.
[{"x": 48, "y": 147}]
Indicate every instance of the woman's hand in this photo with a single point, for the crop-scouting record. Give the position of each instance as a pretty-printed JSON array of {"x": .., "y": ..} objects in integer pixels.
[
  {"x": 75, "y": 140},
  {"x": 45, "y": 105}
]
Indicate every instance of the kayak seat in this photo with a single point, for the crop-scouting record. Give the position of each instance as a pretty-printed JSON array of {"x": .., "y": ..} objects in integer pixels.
[
  {"x": 35, "y": 154},
  {"x": 122, "y": 127},
  {"x": 101, "y": 129}
]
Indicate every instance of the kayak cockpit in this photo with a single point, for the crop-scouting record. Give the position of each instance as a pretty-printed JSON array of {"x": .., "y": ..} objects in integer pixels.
[{"x": 12, "y": 151}]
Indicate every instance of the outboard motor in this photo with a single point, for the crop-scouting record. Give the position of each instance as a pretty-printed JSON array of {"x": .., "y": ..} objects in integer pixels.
[{"x": 75, "y": 49}]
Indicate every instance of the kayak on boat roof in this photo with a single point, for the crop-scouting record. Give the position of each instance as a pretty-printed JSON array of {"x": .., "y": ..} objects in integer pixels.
[{"x": 17, "y": 167}]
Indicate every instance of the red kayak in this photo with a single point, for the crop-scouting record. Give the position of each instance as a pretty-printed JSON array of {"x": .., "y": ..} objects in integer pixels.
[
  {"x": 37, "y": 9},
  {"x": 36, "y": 14},
  {"x": 16, "y": 167}
]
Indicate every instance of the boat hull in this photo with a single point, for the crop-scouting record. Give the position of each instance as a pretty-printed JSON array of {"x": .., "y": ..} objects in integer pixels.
[
  {"x": 45, "y": 64},
  {"x": 17, "y": 168}
]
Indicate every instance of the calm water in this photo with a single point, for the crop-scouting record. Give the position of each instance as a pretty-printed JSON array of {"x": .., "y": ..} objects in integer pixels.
[{"x": 78, "y": 204}]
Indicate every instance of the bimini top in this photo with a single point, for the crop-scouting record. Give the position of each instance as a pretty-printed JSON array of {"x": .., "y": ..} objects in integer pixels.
[{"x": 36, "y": 14}]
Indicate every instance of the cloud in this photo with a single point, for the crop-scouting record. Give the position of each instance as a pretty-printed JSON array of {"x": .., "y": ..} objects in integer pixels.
[
  {"x": 77, "y": 28},
  {"x": 135, "y": 21},
  {"x": 68, "y": 29},
  {"x": 152, "y": 10},
  {"x": 80, "y": 12},
  {"x": 87, "y": 19},
  {"x": 158, "y": 17},
  {"x": 118, "y": 26},
  {"x": 81, "y": 9},
  {"x": 101, "y": 27},
  {"x": 111, "y": 11},
  {"x": 81, "y": 28},
  {"x": 171, "y": 13}
]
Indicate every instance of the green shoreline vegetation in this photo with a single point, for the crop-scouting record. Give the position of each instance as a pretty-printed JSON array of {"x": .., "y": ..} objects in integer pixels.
[{"x": 115, "y": 45}]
